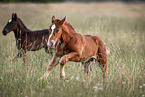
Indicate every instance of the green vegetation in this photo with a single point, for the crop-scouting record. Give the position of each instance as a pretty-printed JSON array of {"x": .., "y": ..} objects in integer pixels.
[{"x": 124, "y": 35}]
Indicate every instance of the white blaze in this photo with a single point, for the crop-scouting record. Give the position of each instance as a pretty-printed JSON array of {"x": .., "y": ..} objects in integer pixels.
[
  {"x": 10, "y": 20},
  {"x": 52, "y": 28}
]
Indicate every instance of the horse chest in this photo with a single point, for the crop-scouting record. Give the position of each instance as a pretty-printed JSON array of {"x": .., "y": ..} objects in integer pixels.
[
  {"x": 21, "y": 42},
  {"x": 62, "y": 49}
]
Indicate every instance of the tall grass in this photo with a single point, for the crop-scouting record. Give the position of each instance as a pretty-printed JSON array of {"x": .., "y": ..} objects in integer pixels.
[{"x": 124, "y": 36}]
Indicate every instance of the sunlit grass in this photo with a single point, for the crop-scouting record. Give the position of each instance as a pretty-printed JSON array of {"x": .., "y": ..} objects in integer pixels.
[{"x": 123, "y": 35}]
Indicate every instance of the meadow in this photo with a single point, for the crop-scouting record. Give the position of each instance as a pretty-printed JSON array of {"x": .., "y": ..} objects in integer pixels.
[{"x": 120, "y": 25}]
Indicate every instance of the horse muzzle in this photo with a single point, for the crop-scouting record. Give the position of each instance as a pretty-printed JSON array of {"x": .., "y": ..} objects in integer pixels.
[
  {"x": 50, "y": 44},
  {"x": 5, "y": 32}
]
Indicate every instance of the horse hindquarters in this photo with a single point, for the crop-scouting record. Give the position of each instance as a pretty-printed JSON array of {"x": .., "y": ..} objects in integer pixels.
[{"x": 101, "y": 54}]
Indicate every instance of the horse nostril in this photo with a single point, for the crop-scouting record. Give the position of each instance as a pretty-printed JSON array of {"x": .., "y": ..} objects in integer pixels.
[
  {"x": 51, "y": 44},
  {"x": 4, "y": 32}
]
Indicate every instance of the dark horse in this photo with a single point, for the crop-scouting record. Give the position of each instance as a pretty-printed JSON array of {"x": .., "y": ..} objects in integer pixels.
[
  {"x": 74, "y": 47},
  {"x": 26, "y": 40}
]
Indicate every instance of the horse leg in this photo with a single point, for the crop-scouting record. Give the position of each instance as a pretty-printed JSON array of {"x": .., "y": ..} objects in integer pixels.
[
  {"x": 24, "y": 57},
  {"x": 48, "y": 50},
  {"x": 62, "y": 73},
  {"x": 87, "y": 68},
  {"x": 52, "y": 64},
  {"x": 21, "y": 53},
  {"x": 87, "y": 65},
  {"x": 64, "y": 59},
  {"x": 15, "y": 58},
  {"x": 102, "y": 59},
  {"x": 104, "y": 69}
]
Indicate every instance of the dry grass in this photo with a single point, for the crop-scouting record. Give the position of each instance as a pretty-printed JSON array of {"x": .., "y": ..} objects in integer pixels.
[{"x": 120, "y": 25}]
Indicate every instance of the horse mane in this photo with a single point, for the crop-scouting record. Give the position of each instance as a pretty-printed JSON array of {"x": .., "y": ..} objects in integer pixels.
[
  {"x": 69, "y": 25},
  {"x": 23, "y": 24},
  {"x": 66, "y": 24},
  {"x": 69, "y": 31}
]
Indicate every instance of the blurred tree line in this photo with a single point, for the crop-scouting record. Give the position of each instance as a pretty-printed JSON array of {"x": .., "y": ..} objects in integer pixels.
[{"x": 43, "y": 1}]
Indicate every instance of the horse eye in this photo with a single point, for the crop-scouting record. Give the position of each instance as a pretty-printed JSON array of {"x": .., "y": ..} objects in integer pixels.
[{"x": 57, "y": 31}]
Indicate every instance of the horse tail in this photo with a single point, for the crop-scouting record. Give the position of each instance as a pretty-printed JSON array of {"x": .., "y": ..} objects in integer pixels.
[{"x": 107, "y": 50}]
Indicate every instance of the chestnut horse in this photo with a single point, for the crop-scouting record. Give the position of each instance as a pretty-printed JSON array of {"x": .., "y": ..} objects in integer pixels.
[
  {"x": 26, "y": 40},
  {"x": 74, "y": 47}
]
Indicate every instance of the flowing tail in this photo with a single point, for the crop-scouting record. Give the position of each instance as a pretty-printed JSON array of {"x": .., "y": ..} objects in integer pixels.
[{"x": 107, "y": 50}]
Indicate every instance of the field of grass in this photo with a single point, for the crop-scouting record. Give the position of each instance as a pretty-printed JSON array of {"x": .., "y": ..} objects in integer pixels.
[{"x": 120, "y": 25}]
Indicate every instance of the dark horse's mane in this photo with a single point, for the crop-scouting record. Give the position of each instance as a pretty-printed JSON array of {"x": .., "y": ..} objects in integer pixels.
[{"x": 23, "y": 24}]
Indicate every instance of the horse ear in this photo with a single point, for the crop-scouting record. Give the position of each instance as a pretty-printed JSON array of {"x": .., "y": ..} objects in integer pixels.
[
  {"x": 62, "y": 21},
  {"x": 14, "y": 16},
  {"x": 53, "y": 18}
]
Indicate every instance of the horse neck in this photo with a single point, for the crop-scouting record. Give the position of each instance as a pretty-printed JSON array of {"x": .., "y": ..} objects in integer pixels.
[
  {"x": 68, "y": 32},
  {"x": 21, "y": 29}
]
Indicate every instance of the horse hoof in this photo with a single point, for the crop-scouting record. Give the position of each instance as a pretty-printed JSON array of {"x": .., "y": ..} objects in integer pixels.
[{"x": 40, "y": 78}]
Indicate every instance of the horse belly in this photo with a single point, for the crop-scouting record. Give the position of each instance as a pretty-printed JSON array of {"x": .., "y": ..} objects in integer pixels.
[
  {"x": 34, "y": 46},
  {"x": 89, "y": 52}
]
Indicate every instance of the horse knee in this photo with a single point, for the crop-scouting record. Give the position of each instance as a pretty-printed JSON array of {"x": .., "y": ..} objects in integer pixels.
[
  {"x": 50, "y": 67},
  {"x": 63, "y": 60}
]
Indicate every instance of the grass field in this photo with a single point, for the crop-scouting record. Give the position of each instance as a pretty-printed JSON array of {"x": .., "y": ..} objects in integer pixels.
[{"x": 120, "y": 25}]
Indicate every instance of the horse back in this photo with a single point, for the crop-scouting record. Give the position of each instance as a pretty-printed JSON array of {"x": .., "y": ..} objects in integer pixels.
[
  {"x": 96, "y": 39},
  {"x": 38, "y": 35},
  {"x": 35, "y": 40}
]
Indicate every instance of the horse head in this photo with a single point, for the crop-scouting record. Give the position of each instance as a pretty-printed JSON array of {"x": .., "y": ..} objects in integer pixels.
[
  {"x": 11, "y": 25},
  {"x": 55, "y": 30}
]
